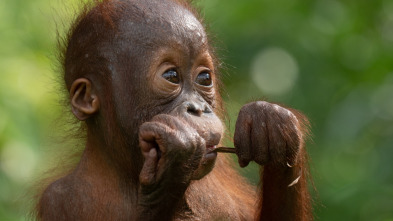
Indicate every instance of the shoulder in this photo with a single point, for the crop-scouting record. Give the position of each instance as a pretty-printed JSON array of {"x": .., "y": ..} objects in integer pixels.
[{"x": 60, "y": 200}]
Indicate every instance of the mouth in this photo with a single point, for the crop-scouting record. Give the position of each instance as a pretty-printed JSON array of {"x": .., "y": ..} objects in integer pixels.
[
  {"x": 210, "y": 153},
  {"x": 210, "y": 148}
]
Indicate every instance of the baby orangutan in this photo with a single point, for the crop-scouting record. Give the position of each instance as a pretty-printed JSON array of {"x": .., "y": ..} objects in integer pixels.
[{"x": 142, "y": 76}]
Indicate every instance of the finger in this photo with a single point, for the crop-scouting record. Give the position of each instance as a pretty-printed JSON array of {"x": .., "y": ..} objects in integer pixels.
[
  {"x": 173, "y": 122},
  {"x": 148, "y": 172},
  {"x": 178, "y": 128},
  {"x": 277, "y": 143},
  {"x": 151, "y": 136},
  {"x": 198, "y": 154},
  {"x": 293, "y": 136},
  {"x": 184, "y": 135},
  {"x": 260, "y": 140},
  {"x": 242, "y": 138}
]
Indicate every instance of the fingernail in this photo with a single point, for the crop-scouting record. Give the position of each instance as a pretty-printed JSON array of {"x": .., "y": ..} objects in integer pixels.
[{"x": 152, "y": 152}]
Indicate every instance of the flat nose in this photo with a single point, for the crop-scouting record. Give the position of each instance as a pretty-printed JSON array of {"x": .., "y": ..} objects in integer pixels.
[{"x": 196, "y": 108}]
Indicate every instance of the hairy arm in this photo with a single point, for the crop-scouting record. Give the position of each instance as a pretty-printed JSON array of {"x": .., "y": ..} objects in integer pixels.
[{"x": 273, "y": 137}]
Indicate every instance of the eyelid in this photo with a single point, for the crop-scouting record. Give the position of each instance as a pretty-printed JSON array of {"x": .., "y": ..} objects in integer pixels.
[
  {"x": 205, "y": 69},
  {"x": 166, "y": 66},
  {"x": 170, "y": 69}
]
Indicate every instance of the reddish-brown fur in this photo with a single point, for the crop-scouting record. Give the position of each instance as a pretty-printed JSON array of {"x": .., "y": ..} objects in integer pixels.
[{"x": 108, "y": 184}]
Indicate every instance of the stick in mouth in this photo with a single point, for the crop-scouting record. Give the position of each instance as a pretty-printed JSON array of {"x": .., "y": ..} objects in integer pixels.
[{"x": 225, "y": 150}]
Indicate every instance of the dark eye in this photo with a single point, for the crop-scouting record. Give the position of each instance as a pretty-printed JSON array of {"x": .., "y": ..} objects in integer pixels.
[
  {"x": 204, "y": 79},
  {"x": 171, "y": 76}
]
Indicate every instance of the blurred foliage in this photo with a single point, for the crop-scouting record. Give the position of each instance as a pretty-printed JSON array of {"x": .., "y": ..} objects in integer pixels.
[{"x": 330, "y": 59}]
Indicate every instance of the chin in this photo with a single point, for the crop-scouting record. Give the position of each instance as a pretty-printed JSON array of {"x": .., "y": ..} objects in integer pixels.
[{"x": 206, "y": 166}]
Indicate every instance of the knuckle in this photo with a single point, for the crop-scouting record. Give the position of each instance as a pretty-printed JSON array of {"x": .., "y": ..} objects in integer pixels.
[
  {"x": 145, "y": 126},
  {"x": 177, "y": 139},
  {"x": 187, "y": 142},
  {"x": 254, "y": 105},
  {"x": 277, "y": 109},
  {"x": 247, "y": 107},
  {"x": 261, "y": 104},
  {"x": 159, "y": 118},
  {"x": 291, "y": 117},
  {"x": 243, "y": 111}
]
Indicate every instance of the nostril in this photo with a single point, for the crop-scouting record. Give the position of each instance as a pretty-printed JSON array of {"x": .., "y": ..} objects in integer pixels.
[
  {"x": 194, "y": 109},
  {"x": 207, "y": 110}
]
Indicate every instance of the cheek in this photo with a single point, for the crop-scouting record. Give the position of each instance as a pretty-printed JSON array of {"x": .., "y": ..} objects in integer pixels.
[{"x": 130, "y": 97}]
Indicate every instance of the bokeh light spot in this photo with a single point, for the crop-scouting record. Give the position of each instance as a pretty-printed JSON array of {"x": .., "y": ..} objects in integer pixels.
[
  {"x": 274, "y": 71},
  {"x": 18, "y": 161},
  {"x": 386, "y": 21}
]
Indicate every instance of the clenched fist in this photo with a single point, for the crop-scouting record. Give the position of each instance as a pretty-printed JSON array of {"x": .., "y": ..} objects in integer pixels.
[
  {"x": 267, "y": 134},
  {"x": 172, "y": 151}
]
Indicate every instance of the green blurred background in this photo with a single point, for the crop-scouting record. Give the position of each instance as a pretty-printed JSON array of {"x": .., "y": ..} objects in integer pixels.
[{"x": 331, "y": 59}]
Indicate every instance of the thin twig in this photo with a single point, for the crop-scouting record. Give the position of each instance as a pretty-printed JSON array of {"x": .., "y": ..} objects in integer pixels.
[{"x": 225, "y": 150}]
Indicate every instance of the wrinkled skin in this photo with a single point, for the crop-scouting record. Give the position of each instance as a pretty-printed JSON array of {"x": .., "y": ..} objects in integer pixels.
[
  {"x": 184, "y": 154},
  {"x": 267, "y": 133},
  {"x": 146, "y": 85}
]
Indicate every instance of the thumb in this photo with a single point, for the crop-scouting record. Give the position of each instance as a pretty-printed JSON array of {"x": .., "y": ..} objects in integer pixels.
[{"x": 148, "y": 172}]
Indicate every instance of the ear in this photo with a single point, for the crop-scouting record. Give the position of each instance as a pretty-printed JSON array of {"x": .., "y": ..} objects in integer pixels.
[{"x": 84, "y": 101}]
